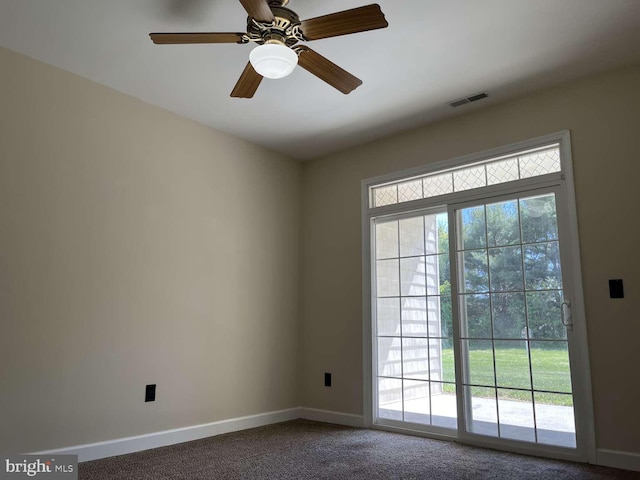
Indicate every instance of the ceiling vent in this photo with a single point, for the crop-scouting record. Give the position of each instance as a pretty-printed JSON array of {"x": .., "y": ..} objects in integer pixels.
[{"x": 472, "y": 98}]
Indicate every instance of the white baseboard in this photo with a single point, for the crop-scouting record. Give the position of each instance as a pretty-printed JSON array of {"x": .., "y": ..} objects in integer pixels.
[
  {"x": 123, "y": 446},
  {"x": 617, "y": 459},
  {"x": 331, "y": 417}
]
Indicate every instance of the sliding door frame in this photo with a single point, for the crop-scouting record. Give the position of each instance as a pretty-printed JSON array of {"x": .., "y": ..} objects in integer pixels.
[{"x": 562, "y": 184}]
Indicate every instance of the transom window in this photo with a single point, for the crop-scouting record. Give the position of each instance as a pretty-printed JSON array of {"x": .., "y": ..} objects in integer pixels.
[{"x": 494, "y": 171}]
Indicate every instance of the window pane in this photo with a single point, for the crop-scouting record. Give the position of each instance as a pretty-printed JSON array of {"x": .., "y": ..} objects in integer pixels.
[
  {"x": 387, "y": 281},
  {"x": 415, "y": 358},
  {"x": 502, "y": 171},
  {"x": 444, "y": 358},
  {"x": 387, "y": 240},
  {"x": 516, "y": 416},
  {"x": 444, "y": 409},
  {"x": 437, "y": 236},
  {"x": 468, "y": 178},
  {"x": 413, "y": 276},
  {"x": 411, "y": 237},
  {"x": 444, "y": 274},
  {"x": 390, "y": 398},
  {"x": 385, "y": 195},
  {"x": 538, "y": 217},
  {"x": 435, "y": 360},
  {"x": 434, "y": 275},
  {"x": 475, "y": 276},
  {"x": 550, "y": 366},
  {"x": 388, "y": 316},
  {"x": 434, "y": 317},
  {"x": 542, "y": 266},
  {"x": 414, "y": 317},
  {"x": 411, "y": 190},
  {"x": 475, "y": 312},
  {"x": 440, "y": 311},
  {"x": 540, "y": 163},
  {"x": 480, "y": 364},
  {"x": 512, "y": 366},
  {"x": 417, "y": 408},
  {"x": 508, "y": 315},
  {"x": 505, "y": 267},
  {"x": 473, "y": 228},
  {"x": 503, "y": 226},
  {"x": 435, "y": 185},
  {"x": 555, "y": 419},
  {"x": 484, "y": 411},
  {"x": 545, "y": 315},
  {"x": 389, "y": 357}
]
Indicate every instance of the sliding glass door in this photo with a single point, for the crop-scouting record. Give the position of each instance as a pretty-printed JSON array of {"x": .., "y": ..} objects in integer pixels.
[
  {"x": 514, "y": 349},
  {"x": 504, "y": 321},
  {"x": 414, "y": 330}
]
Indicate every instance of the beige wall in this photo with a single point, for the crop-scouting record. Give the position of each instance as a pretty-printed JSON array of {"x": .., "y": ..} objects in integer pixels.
[
  {"x": 136, "y": 247},
  {"x": 139, "y": 247},
  {"x": 603, "y": 114}
]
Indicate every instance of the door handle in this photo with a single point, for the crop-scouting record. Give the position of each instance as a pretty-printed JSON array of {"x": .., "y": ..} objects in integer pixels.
[{"x": 566, "y": 317}]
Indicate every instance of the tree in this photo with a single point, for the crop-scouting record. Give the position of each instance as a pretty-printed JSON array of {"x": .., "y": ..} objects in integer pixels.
[{"x": 509, "y": 248}]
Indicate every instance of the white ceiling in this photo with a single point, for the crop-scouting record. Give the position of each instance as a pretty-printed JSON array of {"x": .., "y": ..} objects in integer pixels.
[{"x": 434, "y": 51}]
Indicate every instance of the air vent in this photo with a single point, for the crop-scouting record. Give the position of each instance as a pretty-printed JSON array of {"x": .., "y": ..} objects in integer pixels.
[
  {"x": 472, "y": 98},
  {"x": 458, "y": 103}
]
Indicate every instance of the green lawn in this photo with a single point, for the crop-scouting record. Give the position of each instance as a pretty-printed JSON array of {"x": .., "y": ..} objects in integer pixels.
[{"x": 550, "y": 369}]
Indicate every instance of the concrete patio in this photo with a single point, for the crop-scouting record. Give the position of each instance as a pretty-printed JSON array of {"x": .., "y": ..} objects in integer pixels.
[{"x": 555, "y": 423}]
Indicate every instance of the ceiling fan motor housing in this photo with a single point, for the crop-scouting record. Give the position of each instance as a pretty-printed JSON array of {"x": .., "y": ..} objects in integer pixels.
[{"x": 285, "y": 28}]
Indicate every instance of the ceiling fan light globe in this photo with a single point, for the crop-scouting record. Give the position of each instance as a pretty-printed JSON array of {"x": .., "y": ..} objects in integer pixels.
[{"x": 273, "y": 60}]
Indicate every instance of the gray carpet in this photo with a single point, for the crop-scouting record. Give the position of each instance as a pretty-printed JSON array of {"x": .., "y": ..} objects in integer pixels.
[{"x": 301, "y": 449}]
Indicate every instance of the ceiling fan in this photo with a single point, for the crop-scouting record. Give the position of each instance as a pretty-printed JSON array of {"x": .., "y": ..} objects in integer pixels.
[{"x": 277, "y": 30}]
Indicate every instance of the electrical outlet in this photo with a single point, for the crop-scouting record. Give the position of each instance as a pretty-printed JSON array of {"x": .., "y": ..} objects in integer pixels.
[
  {"x": 150, "y": 393},
  {"x": 327, "y": 379}
]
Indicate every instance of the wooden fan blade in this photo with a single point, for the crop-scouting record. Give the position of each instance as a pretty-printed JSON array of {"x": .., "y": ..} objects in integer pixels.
[
  {"x": 356, "y": 20},
  {"x": 205, "y": 37},
  {"x": 247, "y": 84},
  {"x": 258, "y": 9},
  {"x": 328, "y": 71}
]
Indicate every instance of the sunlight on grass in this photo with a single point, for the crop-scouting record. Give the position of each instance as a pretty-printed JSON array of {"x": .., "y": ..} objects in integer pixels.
[{"x": 550, "y": 372}]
